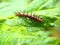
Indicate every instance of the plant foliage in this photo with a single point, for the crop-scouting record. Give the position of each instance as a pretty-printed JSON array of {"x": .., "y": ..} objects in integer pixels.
[{"x": 16, "y": 30}]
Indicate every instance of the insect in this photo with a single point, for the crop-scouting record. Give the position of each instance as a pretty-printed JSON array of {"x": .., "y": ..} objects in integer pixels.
[{"x": 29, "y": 16}]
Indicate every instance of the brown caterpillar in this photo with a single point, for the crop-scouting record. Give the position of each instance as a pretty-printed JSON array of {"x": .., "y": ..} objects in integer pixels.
[{"x": 29, "y": 16}]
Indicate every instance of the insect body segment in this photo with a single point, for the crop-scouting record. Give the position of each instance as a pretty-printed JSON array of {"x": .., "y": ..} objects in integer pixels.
[{"x": 29, "y": 16}]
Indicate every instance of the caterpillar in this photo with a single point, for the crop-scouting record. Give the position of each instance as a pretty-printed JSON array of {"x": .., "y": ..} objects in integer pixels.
[{"x": 29, "y": 16}]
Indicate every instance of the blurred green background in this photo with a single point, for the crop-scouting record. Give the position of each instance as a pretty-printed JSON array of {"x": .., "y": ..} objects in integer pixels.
[{"x": 16, "y": 30}]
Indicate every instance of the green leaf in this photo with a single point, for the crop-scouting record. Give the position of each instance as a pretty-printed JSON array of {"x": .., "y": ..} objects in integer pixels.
[{"x": 16, "y": 30}]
